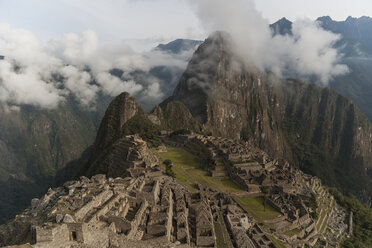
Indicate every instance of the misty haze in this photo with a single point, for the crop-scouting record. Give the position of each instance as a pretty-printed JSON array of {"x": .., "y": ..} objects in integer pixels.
[{"x": 188, "y": 123}]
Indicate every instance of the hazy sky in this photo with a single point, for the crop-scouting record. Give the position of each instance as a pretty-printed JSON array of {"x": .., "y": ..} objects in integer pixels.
[{"x": 140, "y": 21}]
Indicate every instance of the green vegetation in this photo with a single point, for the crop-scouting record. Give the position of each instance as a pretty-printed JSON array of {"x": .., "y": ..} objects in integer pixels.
[
  {"x": 265, "y": 190},
  {"x": 223, "y": 238},
  {"x": 167, "y": 162},
  {"x": 169, "y": 168},
  {"x": 362, "y": 228},
  {"x": 314, "y": 215},
  {"x": 313, "y": 205},
  {"x": 322, "y": 152},
  {"x": 307, "y": 156},
  {"x": 142, "y": 126},
  {"x": 187, "y": 171},
  {"x": 208, "y": 164},
  {"x": 276, "y": 242},
  {"x": 256, "y": 207},
  {"x": 181, "y": 132},
  {"x": 292, "y": 232}
]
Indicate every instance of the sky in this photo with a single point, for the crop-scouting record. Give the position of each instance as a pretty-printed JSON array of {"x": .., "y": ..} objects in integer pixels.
[
  {"x": 144, "y": 23},
  {"x": 44, "y": 38}
]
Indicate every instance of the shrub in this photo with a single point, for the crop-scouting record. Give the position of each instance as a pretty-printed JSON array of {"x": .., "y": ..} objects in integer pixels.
[{"x": 181, "y": 132}]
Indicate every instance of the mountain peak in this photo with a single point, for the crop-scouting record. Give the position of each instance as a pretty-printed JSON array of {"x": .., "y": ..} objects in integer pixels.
[
  {"x": 120, "y": 110},
  {"x": 284, "y": 20},
  {"x": 350, "y": 19},
  {"x": 360, "y": 19},
  {"x": 324, "y": 19},
  {"x": 365, "y": 18},
  {"x": 178, "y": 46},
  {"x": 282, "y": 27}
]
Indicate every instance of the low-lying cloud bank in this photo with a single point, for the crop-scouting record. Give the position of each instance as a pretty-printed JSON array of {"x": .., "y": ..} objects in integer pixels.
[
  {"x": 44, "y": 75},
  {"x": 308, "y": 53}
]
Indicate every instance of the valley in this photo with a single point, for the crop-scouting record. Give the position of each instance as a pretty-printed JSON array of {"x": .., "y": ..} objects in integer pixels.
[{"x": 226, "y": 153}]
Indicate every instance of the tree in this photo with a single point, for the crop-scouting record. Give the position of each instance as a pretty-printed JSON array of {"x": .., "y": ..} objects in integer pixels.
[
  {"x": 169, "y": 168},
  {"x": 167, "y": 162},
  {"x": 265, "y": 190}
]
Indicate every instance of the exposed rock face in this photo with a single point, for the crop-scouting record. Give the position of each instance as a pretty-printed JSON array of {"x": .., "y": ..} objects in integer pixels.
[
  {"x": 120, "y": 110},
  {"x": 178, "y": 46},
  {"x": 114, "y": 151},
  {"x": 175, "y": 115},
  {"x": 122, "y": 155},
  {"x": 316, "y": 128}
]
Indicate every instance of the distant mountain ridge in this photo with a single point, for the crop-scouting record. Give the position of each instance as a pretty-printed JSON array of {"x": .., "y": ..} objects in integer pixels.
[
  {"x": 179, "y": 45},
  {"x": 356, "y": 46},
  {"x": 282, "y": 27},
  {"x": 356, "y": 34}
]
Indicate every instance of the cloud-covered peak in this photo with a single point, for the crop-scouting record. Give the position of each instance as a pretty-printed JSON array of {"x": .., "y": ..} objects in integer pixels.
[{"x": 307, "y": 53}]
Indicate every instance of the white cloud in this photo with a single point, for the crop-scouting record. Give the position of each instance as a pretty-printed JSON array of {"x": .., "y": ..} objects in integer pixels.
[
  {"x": 28, "y": 73},
  {"x": 308, "y": 52},
  {"x": 112, "y": 85},
  {"x": 79, "y": 84},
  {"x": 27, "y": 87}
]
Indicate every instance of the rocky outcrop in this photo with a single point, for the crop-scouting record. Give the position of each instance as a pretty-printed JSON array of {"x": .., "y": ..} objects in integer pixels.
[
  {"x": 125, "y": 153},
  {"x": 120, "y": 110},
  {"x": 175, "y": 115},
  {"x": 114, "y": 151}
]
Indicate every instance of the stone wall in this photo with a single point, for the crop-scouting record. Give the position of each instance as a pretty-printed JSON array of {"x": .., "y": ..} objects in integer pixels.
[
  {"x": 95, "y": 202},
  {"x": 52, "y": 236}
]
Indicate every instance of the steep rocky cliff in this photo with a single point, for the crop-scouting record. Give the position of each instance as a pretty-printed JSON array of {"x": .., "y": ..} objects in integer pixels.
[
  {"x": 319, "y": 130},
  {"x": 120, "y": 110},
  {"x": 111, "y": 151}
]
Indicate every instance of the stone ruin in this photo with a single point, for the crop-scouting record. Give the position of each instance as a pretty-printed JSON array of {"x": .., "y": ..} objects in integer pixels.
[
  {"x": 138, "y": 212},
  {"x": 150, "y": 209},
  {"x": 290, "y": 189}
]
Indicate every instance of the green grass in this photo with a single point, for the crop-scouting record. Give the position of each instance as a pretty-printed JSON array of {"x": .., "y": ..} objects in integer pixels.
[
  {"x": 292, "y": 232},
  {"x": 223, "y": 239},
  {"x": 255, "y": 206},
  {"x": 186, "y": 168},
  {"x": 276, "y": 242}
]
